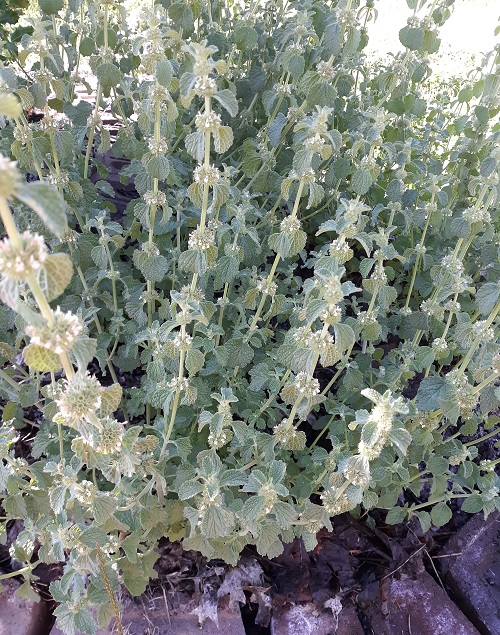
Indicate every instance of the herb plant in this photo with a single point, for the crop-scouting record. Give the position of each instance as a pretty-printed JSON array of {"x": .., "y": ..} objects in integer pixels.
[{"x": 296, "y": 315}]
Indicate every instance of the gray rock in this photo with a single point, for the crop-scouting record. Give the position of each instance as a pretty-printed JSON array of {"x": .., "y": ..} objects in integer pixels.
[
  {"x": 19, "y": 616},
  {"x": 308, "y": 620},
  {"x": 474, "y": 575},
  {"x": 417, "y": 606}
]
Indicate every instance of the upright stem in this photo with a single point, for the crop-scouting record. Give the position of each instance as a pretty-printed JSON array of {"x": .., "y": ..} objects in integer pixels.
[
  {"x": 274, "y": 266},
  {"x": 419, "y": 253},
  {"x": 204, "y": 204},
  {"x": 478, "y": 341},
  {"x": 152, "y": 211},
  {"x": 36, "y": 290},
  {"x": 90, "y": 139},
  {"x": 180, "y": 377}
]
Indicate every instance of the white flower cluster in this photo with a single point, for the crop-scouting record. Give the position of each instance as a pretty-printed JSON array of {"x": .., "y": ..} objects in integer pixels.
[
  {"x": 306, "y": 385},
  {"x": 308, "y": 177},
  {"x": 460, "y": 456},
  {"x": 426, "y": 420},
  {"x": 352, "y": 209},
  {"x": 368, "y": 163},
  {"x": 365, "y": 320},
  {"x": 467, "y": 400},
  {"x": 332, "y": 315},
  {"x": 314, "y": 143},
  {"x": 481, "y": 331},
  {"x": 19, "y": 263},
  {"x": 48, "y": 124},
  {"x": 301, "y": 335},
  {"x": 347, "y": 17},
  {"x": 182, "y": 342},
  {"x": 201, "y": 241},
  {"x": 453, "y": 306},
  {"x": 207, "y": 122},
  {"x": 325, "y": 71},
  {"x": 473, "y": 215},
  {"x": 189, "y": 294},
  {"x": 157, "y": 146},
  {"x": 111, "y": 436},
  {"x": 270, "y": 496},
  {"x": 453, "y": 265},
  {"x": 380, "y": 117},
  {"x": 336, "y": 505},
  {"x": 80, "y": 398},
  {"x": 440, "y": 348},
  {"x": 85, "y": 492},
  {"x": 339, "y": 249},
  {"x": 178, "y": 384},
  {"x": 205, "y": 86},
  {"x": 495, "y": 364},
  {"x": 160, "y": 198},
  {"x": 150, "y": 249},
  {"x": 209, "y": 175},
  {"x": 58, "y": 337},
  {"x": 289, "y": 437},
  {"x": 157, "y": 92},
  {"x": 105, "y": 53},
  {"x": 23, "y": 135},
  {"x": 219, "y": 439},
  {"x": 283, "y": 89},
  {"x": 378, "y": 276},
  {"x": 289, "y": 225},
  {"x": 382, "y": 415},
  {"x": 58, "y": 180},
  {"x": 267, "y": 287},
  {"x": 357, "y": 470},
  {"x": 432, "y": 308}
]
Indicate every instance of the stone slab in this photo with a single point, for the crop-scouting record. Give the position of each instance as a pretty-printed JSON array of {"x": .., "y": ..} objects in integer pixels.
[
  {"x": 418, "y": 606},
  {"x": 308, "y": 620},
  {"x": 156, "y": 621},
  {"x": 474, "y": 576},
  {"x": 19, "y": 616}
]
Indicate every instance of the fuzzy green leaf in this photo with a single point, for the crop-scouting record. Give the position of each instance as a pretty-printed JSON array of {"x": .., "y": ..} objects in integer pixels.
[
  {"x": 10, "y": 106},
  {"x": 431, "y": 392},
  {"x": 216, "y": 522},
  {"x": 108, "y": 75},
  {"x": 195, "y": 360},
  {"x": 487, "y": 296},
  {"x": 361, "y": 181},
  {"x": 472, "y": 504},
  {"x": 440, "y": 514},
  {"x": 41, "y": 359},
  {"x": 395, "y": 516},
  {"x": 401, "y": 438},
  {"x": 55, "y": 275},
  {"x": 228, "y": 101},
  {"x": 226, "y": 270},
  {"x": 46, "y": 201},
  {"x": 50, "y": 7}
]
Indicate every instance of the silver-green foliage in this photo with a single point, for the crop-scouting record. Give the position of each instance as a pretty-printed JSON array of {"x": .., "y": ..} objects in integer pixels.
[{"x": 304, "y": 294}]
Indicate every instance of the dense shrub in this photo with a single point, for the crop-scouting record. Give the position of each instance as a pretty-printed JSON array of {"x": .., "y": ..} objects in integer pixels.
[{"x": 295, "y": 316}]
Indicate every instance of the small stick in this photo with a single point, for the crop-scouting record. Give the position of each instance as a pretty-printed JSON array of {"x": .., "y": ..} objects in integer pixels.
[
  {"x": 166, "y": 605},
  {"x": 403, "y": 564}
]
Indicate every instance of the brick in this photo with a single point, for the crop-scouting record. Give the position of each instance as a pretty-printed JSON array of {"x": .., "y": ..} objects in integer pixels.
[
  {"x": 19, "y": 616},
  {"x": 416, "y": 606},
  {"x": 157, "y": 621},
  {"x": 474, "y": 576},
  {"x": 308, "y": 620}
]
